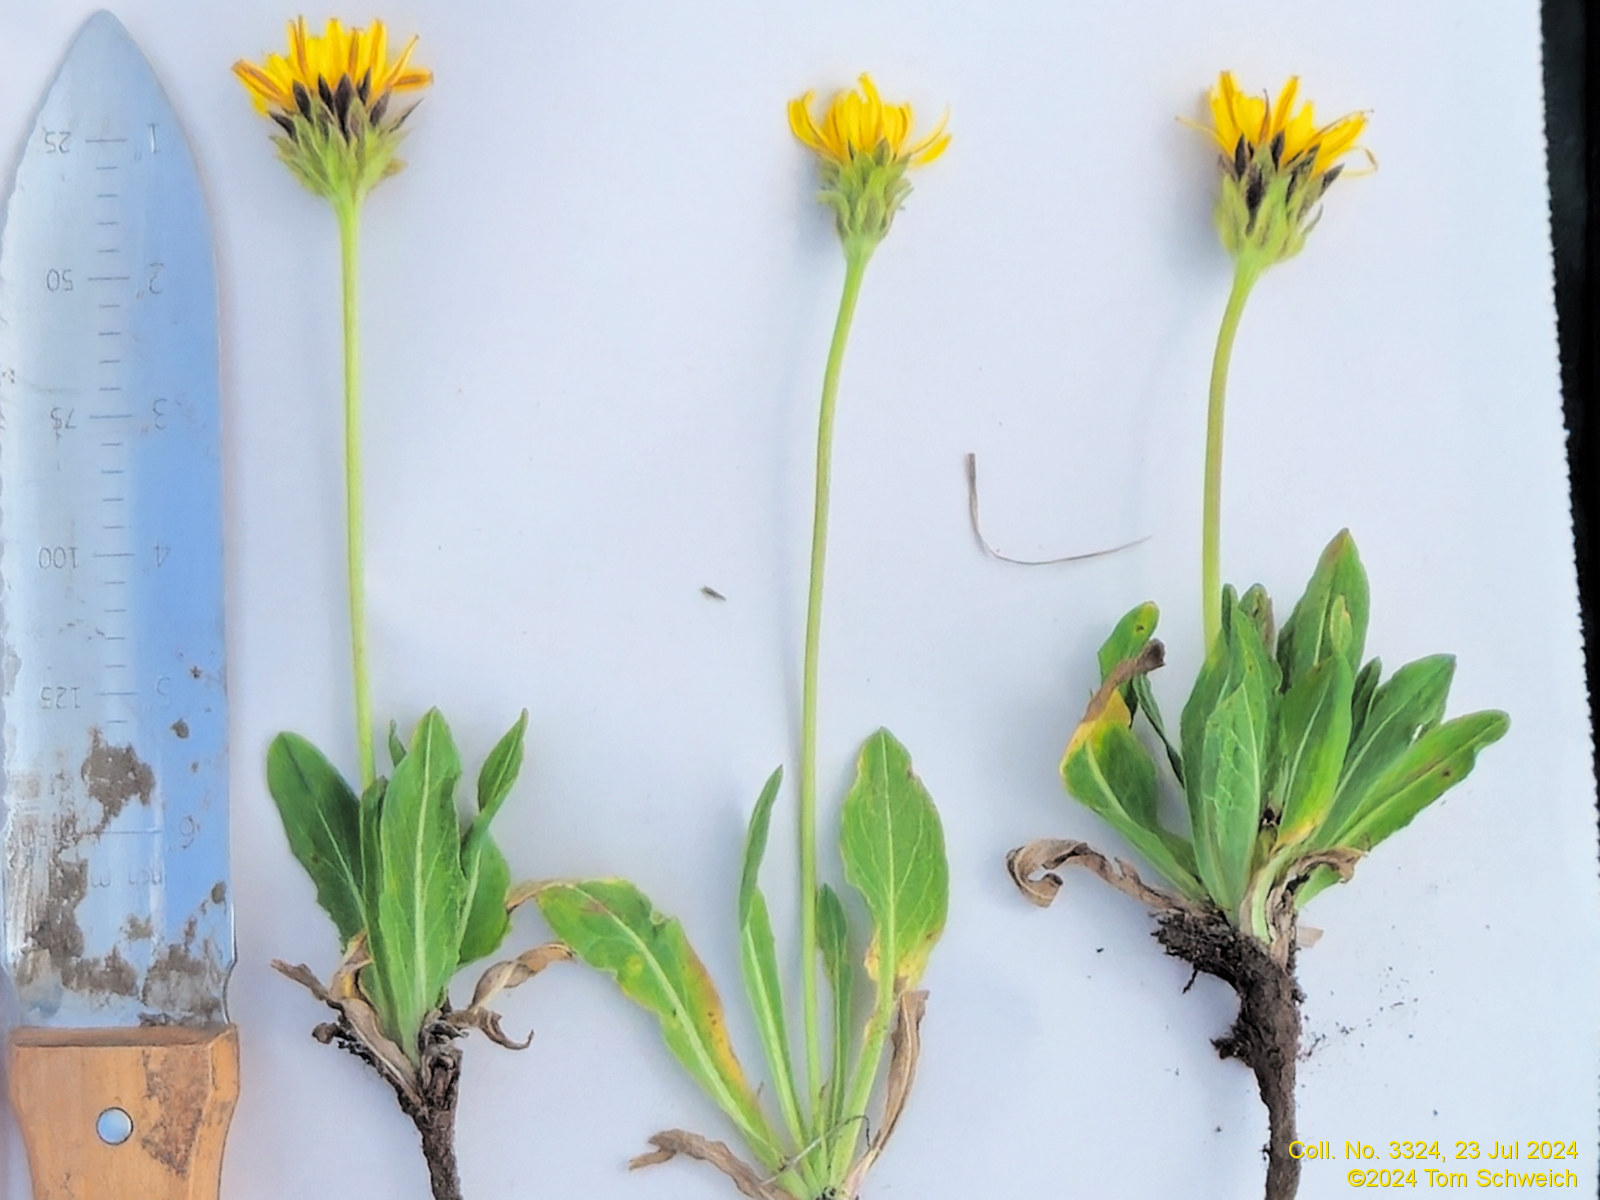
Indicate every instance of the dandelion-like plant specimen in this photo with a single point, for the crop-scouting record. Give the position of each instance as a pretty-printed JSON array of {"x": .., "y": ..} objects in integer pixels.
[
  {"x": 820, "y": 1142},
  {"x": 1294, "y": 756},
  {"x": 415, "y": 891}
]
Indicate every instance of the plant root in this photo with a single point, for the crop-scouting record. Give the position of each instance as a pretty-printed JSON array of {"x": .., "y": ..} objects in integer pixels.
[
  {"x": 430, "y": 1098},
  {"x": 1265, "y": 1035}
]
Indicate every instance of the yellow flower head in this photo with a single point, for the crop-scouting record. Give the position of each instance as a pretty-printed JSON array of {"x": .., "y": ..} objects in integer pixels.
[
  {"x": 1277, "y": 163},
  {"x": 865, "y": 148},
  {"x": 332, "y": 97},
  {"x": 1241, "y": 124},
  {"x": 859, "y": 122}
]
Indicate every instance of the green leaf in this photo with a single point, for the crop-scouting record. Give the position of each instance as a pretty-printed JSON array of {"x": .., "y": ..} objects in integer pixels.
[
  {"x": 613, "y": 927},
  {"x": 1314, "y": 725},
  {"x": 1256, "y": 607},
  {"x": 1128, "y": 770},
  {"x": 758, "y": 956},
  {"x": 1212, "y": 681},
  {"x": 1412, "y": 700},
  {"x": 1438, "y": 760},
  {"x": 1129, "y": 636},
  {"x": 423, "y": 891},
  {"x": 893, "y": 850},
  {"x": 1110, "y": 772},
  {"x": 376, "y": 978},
  {"x": 755, "y": 842},
  {"x": 397, "y": 748},
  {"x": 1320, "y": 880},
  {"x": 1227, "y": 730},
  {"x": 833, "y": 940},
  {"x": 1338, "y": 583},
  {"x": 1341, "y": 631},
  {"x": 484, "y": 919},
  {"x": 1238, "y": 657},
  {"x": 1441, "y": 758},
  {"x": 1366, "y": 686},
  {"x": 1144, "y": 701},
  {"x": 1225, "y": 801},
  {"x": 322, "y": 820},
  {"x": 371, "y": 850},
  {"x": 500, "y": 769}
]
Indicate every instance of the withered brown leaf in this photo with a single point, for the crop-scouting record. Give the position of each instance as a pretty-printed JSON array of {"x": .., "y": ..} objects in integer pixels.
[{"x": 670, "y": 1143}]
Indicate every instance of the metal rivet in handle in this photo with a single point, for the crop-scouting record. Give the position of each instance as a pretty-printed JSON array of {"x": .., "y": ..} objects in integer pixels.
[{"x": 114, "y": 1126}]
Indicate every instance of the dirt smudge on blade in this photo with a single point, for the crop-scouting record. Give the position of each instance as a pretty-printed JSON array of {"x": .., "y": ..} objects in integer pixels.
[
  {"x": 55, "y": 940},
  {"x": 187, "y": 977},
  {"x": 114, "y": 775},
  {"x": 137, "y": 929}
]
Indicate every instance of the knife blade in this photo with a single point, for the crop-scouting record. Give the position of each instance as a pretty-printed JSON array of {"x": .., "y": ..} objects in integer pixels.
[{"x": 117, "y": 935}]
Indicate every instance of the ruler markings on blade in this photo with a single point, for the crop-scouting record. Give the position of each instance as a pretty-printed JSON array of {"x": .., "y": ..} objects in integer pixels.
[{"x": 117, "y": 909}]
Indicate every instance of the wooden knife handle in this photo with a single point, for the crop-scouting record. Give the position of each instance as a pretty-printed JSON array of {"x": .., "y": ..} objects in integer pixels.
[{"x": 177, "y": 1085}]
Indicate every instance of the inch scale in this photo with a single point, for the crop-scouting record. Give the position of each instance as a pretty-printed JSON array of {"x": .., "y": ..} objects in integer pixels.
[
  {"x": 115, "y": 719},
  {"x": 118, "y": 932}
]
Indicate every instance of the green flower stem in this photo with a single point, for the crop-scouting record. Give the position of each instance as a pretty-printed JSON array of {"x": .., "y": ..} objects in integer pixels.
[
  {"x": 349, "y": 212},
  {"x": 856, "y": 256},
  {"x": 1244, "y": 278}
]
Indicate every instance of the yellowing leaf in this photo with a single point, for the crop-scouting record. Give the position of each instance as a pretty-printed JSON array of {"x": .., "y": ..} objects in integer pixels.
[
  {"x": 893, "y": 849},
  {"x": 612, "y": 926},
  {"x": 1108, "y": 770}
]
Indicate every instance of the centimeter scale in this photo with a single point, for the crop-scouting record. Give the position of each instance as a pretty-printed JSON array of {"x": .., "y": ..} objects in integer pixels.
[{"x": 118, "y": 933}]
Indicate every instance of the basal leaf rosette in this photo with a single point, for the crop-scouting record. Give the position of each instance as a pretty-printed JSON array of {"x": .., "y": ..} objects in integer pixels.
[
  {"x": 1295, "y": 757},
  {"x": 892, "y": 845}
]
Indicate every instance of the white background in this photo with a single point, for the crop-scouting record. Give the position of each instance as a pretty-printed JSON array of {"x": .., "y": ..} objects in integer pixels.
[{"x": 595, "y": 312}]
